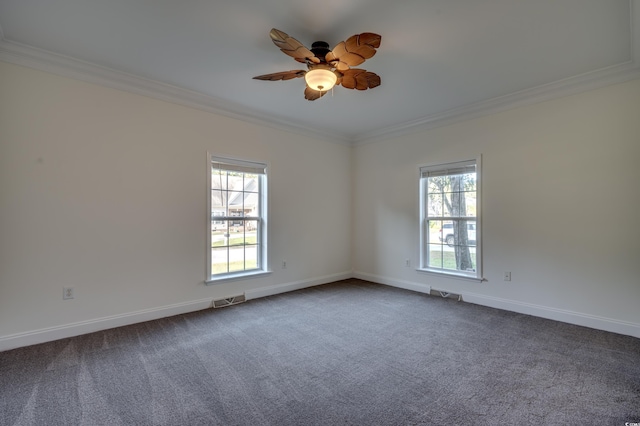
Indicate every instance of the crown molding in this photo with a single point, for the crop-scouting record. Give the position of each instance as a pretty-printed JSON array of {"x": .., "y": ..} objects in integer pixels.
[
  {"x": 66, "y": 66},
  {"x": 70, "y": 67},
  {"x": 614, "y": 74},
  {"x": 569, "y": 86}
]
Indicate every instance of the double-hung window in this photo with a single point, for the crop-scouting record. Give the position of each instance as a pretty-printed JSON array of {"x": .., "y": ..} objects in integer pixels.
[
  {"x": 237, "y": 211},
  {"x": 450, "y": 219}
]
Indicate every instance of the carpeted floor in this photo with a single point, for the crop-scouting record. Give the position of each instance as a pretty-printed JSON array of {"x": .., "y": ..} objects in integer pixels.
[{"x": 348, "y": 353}]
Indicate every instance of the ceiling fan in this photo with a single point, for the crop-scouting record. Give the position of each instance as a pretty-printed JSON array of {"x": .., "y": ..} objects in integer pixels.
[{"x": 325, "y": 67}]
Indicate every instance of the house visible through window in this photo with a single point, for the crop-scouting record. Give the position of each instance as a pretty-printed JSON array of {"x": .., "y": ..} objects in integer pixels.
[
  {"x": 450, "y": 219},
  {"x": 238, "y": 215}
]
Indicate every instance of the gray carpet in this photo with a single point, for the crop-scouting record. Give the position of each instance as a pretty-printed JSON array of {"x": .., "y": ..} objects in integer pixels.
[{"x": 348, "y": 353}]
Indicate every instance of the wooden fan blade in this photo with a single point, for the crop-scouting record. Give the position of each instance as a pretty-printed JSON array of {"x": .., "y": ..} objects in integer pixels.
[
  {"x": 284, "y": 75},
  {"x": 359, "y": 79},
  {"x": 355, "y": 50},
  {"x": 342, "y": 66},
  {"x": 292, "y": 47},
  {"x": 352, "y": 59},
  {"x": 276, "y": 34},
  {"x": 348, "y": 81},
  {"x": 337, "y": 51},
  {"x": 369, "y": 39},
  {"x": 302, "y": 55},
  {"x": 312, "y": 95},
  {"x": 362, "y": 83}
]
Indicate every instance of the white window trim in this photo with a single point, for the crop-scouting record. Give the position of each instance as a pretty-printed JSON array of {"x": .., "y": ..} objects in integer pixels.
[
  {"x": 264, "y": 208},
  {"x": 477, "y": 275}
]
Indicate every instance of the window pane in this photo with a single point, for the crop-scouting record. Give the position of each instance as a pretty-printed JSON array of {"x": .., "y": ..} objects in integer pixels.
[
  {"x": 434, "y": 231},
  {"x": 470, "y": 204},
  {"x": 461, "y": 259},
  {"x": 236, "y": 237},
  {"x": 463, "y": 232},
  {"x": 218, "y": 229},
  {"x": 471, "y": 232},
  {"x": 457, "y": 183},
  {"x": 218, "y": 200},
  {"x": 218, "y": 179},
  {"x": 472, "y": 253},
  {"x": 449, "y": 261},
  {"x": 435, "y": 206},
  {"x": 251, "y": 232},
  {"x": 446, "y": 233},
  {"x": 469, "y": 180},
  {"x": 236, "y": 254},
  {"x": 236, "y": 180},
  {"x": 251, "y": 183},
  {"x": 459, "y": 231},
  {"x": 236, "y": 259},
  {"x": 219, "y": 260},
  {"x": 220, "y": 237},
  {"x": 252, "y": 204},
  {"x": 243, "y": 232},
  {"x": 455, "y": 207},
  {"x": 251, "y": 256},
  {"x": 438, "y": 184},
  {"x": 236, "y": 202},
  {"x": 252, "y": 229},
  {"x": 436, "y": 253}
]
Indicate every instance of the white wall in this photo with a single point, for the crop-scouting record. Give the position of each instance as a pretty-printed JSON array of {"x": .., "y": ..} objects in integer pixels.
[
  {"x": 561, "y": 207},
  {"x": 105, "y": 191}
]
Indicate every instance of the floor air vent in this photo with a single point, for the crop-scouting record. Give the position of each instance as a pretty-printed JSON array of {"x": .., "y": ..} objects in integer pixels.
[
  {"x": 228, "y": 301},
  {"x": 446, "y": 295}
]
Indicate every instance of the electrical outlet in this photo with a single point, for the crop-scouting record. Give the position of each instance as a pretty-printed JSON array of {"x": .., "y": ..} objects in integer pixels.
[
  {"x": 507, "y": 276},
  {"x": 68, "y": 293},
  {"x": 284, "y": 264},
  {"x": 407, "y": 263}
]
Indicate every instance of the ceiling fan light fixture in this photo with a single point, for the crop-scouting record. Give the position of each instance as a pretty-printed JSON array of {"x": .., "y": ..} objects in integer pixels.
[
  {"x": 327, "y": 68},
  {"x": 320, "y": 79}
]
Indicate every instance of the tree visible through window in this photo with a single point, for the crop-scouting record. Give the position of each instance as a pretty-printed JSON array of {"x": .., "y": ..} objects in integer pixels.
[
  {"x": 450, "y": 218},
  {"x": 237, "y": 211}
]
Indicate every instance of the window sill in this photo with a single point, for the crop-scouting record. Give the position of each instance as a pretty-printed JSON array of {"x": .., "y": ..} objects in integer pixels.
[
  {"x": 441, "y": 273},
  {"x": 236, "y": 277}
]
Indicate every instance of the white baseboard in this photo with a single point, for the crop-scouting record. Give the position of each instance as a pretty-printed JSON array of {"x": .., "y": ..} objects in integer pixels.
[
  {"x": 296, "y": 285},
  {"x": 49, "y": 334},
  {"x": 89, "y": 326},
  {"x": 576, "y": 318},
  {"x": 407, "y": 285},
  {"x": 83, "y": 327}
]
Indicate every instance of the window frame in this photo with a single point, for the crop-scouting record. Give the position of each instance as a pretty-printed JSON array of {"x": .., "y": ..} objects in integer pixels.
[
  {"x": 424, "y": 220},
  {"x": 235, "y": 164}
]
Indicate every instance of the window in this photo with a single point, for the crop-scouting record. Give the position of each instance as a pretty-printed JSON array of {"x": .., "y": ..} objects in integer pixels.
[
  {"x": 237, "y": 211},
  {"x": 450, "y": 219}
]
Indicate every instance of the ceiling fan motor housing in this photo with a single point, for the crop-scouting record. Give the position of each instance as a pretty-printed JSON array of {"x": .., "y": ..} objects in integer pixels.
[{"x": 320, "y": 49}]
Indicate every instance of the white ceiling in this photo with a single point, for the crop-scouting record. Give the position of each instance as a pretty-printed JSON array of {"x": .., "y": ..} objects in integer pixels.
[{"x": 439, "y": 60}]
